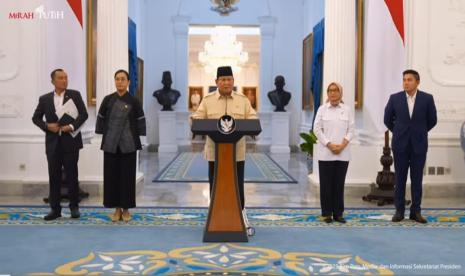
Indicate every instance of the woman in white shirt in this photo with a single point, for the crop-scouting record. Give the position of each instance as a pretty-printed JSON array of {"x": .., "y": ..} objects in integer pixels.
[{"x": 334, "y": 127}]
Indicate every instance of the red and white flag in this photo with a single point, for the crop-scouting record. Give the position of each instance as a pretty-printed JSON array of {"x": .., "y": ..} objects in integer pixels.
[{"x": 384, "y": 56}]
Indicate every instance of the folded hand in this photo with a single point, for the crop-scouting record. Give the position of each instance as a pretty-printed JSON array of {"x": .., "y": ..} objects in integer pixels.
[
  {"x": 66, "y": 129},
  {"x": 53, "y": 127}
]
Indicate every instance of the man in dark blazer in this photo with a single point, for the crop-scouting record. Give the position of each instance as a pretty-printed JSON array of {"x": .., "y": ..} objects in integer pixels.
[
  {"x": 61, "y": 147},
  {"x": 410, "y": 114}
]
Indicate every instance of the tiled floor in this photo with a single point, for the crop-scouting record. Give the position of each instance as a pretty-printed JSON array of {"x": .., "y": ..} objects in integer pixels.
[{"x": 257, "y": 195}]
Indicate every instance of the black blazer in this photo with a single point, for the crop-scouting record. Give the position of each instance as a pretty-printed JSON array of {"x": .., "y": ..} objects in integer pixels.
[
  {"x": 136, "y": 117},
  {"x": 46, "y": 107},
  {"x": 404, "y": 128}
]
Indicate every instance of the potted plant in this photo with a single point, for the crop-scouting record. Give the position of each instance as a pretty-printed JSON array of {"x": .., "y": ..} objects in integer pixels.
[{"x": 307, "y": 147}]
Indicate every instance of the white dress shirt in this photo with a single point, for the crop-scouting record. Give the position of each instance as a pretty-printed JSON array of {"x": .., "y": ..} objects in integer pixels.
[
  {"x": 333, "y": 124},
  {"x": 58, "y": 99},
  {"x": 58, "y": 102},
  {"x": 411, "y": 102}
]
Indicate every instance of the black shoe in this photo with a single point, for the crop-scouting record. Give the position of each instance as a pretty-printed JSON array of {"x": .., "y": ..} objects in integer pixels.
[
  {"x": 327, "y": 219},
  {"x": 417, "y": 217},
  {"x": 52, "y": 215},
  {"x": 340, "y": 219},
  {"x": 75, "y": 213},
  {"x": 398, "y": 216}
]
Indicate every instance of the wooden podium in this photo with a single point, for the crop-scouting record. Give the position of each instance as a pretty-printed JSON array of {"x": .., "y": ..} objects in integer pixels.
[{"x": 225, "y": 222}]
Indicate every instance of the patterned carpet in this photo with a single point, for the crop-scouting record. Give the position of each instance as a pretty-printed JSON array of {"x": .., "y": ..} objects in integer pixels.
[
  {"x": 273, "y": 217},
  {"x": 218, "y": 259},
  {"x": 192, "y": 167},
  {"x": 167, "y": 241}
]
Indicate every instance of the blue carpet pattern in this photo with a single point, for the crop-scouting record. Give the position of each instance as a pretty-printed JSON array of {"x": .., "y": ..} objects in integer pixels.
[
  {"x": 167, "y": 241},
  {"x": 218, "y": 259},
  {"x": 272, "y": 217},
  {"x": 192, "y": 167}
]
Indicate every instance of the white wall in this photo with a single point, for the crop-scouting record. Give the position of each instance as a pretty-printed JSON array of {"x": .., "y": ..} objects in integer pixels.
[
  {"x": 287, "y": 55},
  {"x": 314, "y": 11},
  {"x": 436, "y": 48},
  {"x": 158, "y": 41},
  {"x": 160, "y": 46},
  {"x": 20, "y": 87},
  {"x": 28, "y": 55}
]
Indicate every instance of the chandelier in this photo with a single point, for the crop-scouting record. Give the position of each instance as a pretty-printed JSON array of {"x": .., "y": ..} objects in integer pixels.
[
  {"x": 224, "y": 7},
  {"x": 223, "y": 50}
]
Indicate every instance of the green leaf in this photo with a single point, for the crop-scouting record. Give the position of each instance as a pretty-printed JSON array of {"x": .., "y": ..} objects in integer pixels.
[{"x": 310, "y": 139}]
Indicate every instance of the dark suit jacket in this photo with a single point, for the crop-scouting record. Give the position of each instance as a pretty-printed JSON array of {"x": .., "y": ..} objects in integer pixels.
[
  {"x": 46, "y": 107},
  {"x": 136, "y": 117},
  {"x": 404, "y": 128}
]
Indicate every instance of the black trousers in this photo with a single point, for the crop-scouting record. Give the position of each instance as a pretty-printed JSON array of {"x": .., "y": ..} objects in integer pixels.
[
  {"x": 119, "y": 180},
  {"x": 402, "y": 162},
  {"x": 240, "y": 178},
  {"x": 332, "y": 179},
  {"x": 69, "y": 162}
]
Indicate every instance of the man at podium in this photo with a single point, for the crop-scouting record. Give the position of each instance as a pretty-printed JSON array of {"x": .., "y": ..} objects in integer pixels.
[{"x": 225, "y": 101}]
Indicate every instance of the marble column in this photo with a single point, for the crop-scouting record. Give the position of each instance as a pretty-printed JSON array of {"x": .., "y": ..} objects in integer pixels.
[
  {"x": 267, "y": 31},
  {"x": 180, "y": 74},
  {"x": 340, "y": 43},
  {"x": 112, "y": 44}
]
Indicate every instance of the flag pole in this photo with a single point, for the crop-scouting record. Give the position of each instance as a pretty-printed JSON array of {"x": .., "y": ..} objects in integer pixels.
[{"x": 383, "y": 190}]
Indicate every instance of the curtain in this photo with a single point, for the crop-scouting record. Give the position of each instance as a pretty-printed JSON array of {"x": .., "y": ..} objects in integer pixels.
[
  {"x": 132, "y": 47},
  {"x": 317, "y": 64}
]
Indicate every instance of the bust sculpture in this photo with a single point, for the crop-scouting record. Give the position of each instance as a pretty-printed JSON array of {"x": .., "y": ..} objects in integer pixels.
[
  {"x": 166, "y": 96},
  {"x": 279, "y": 97}
]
